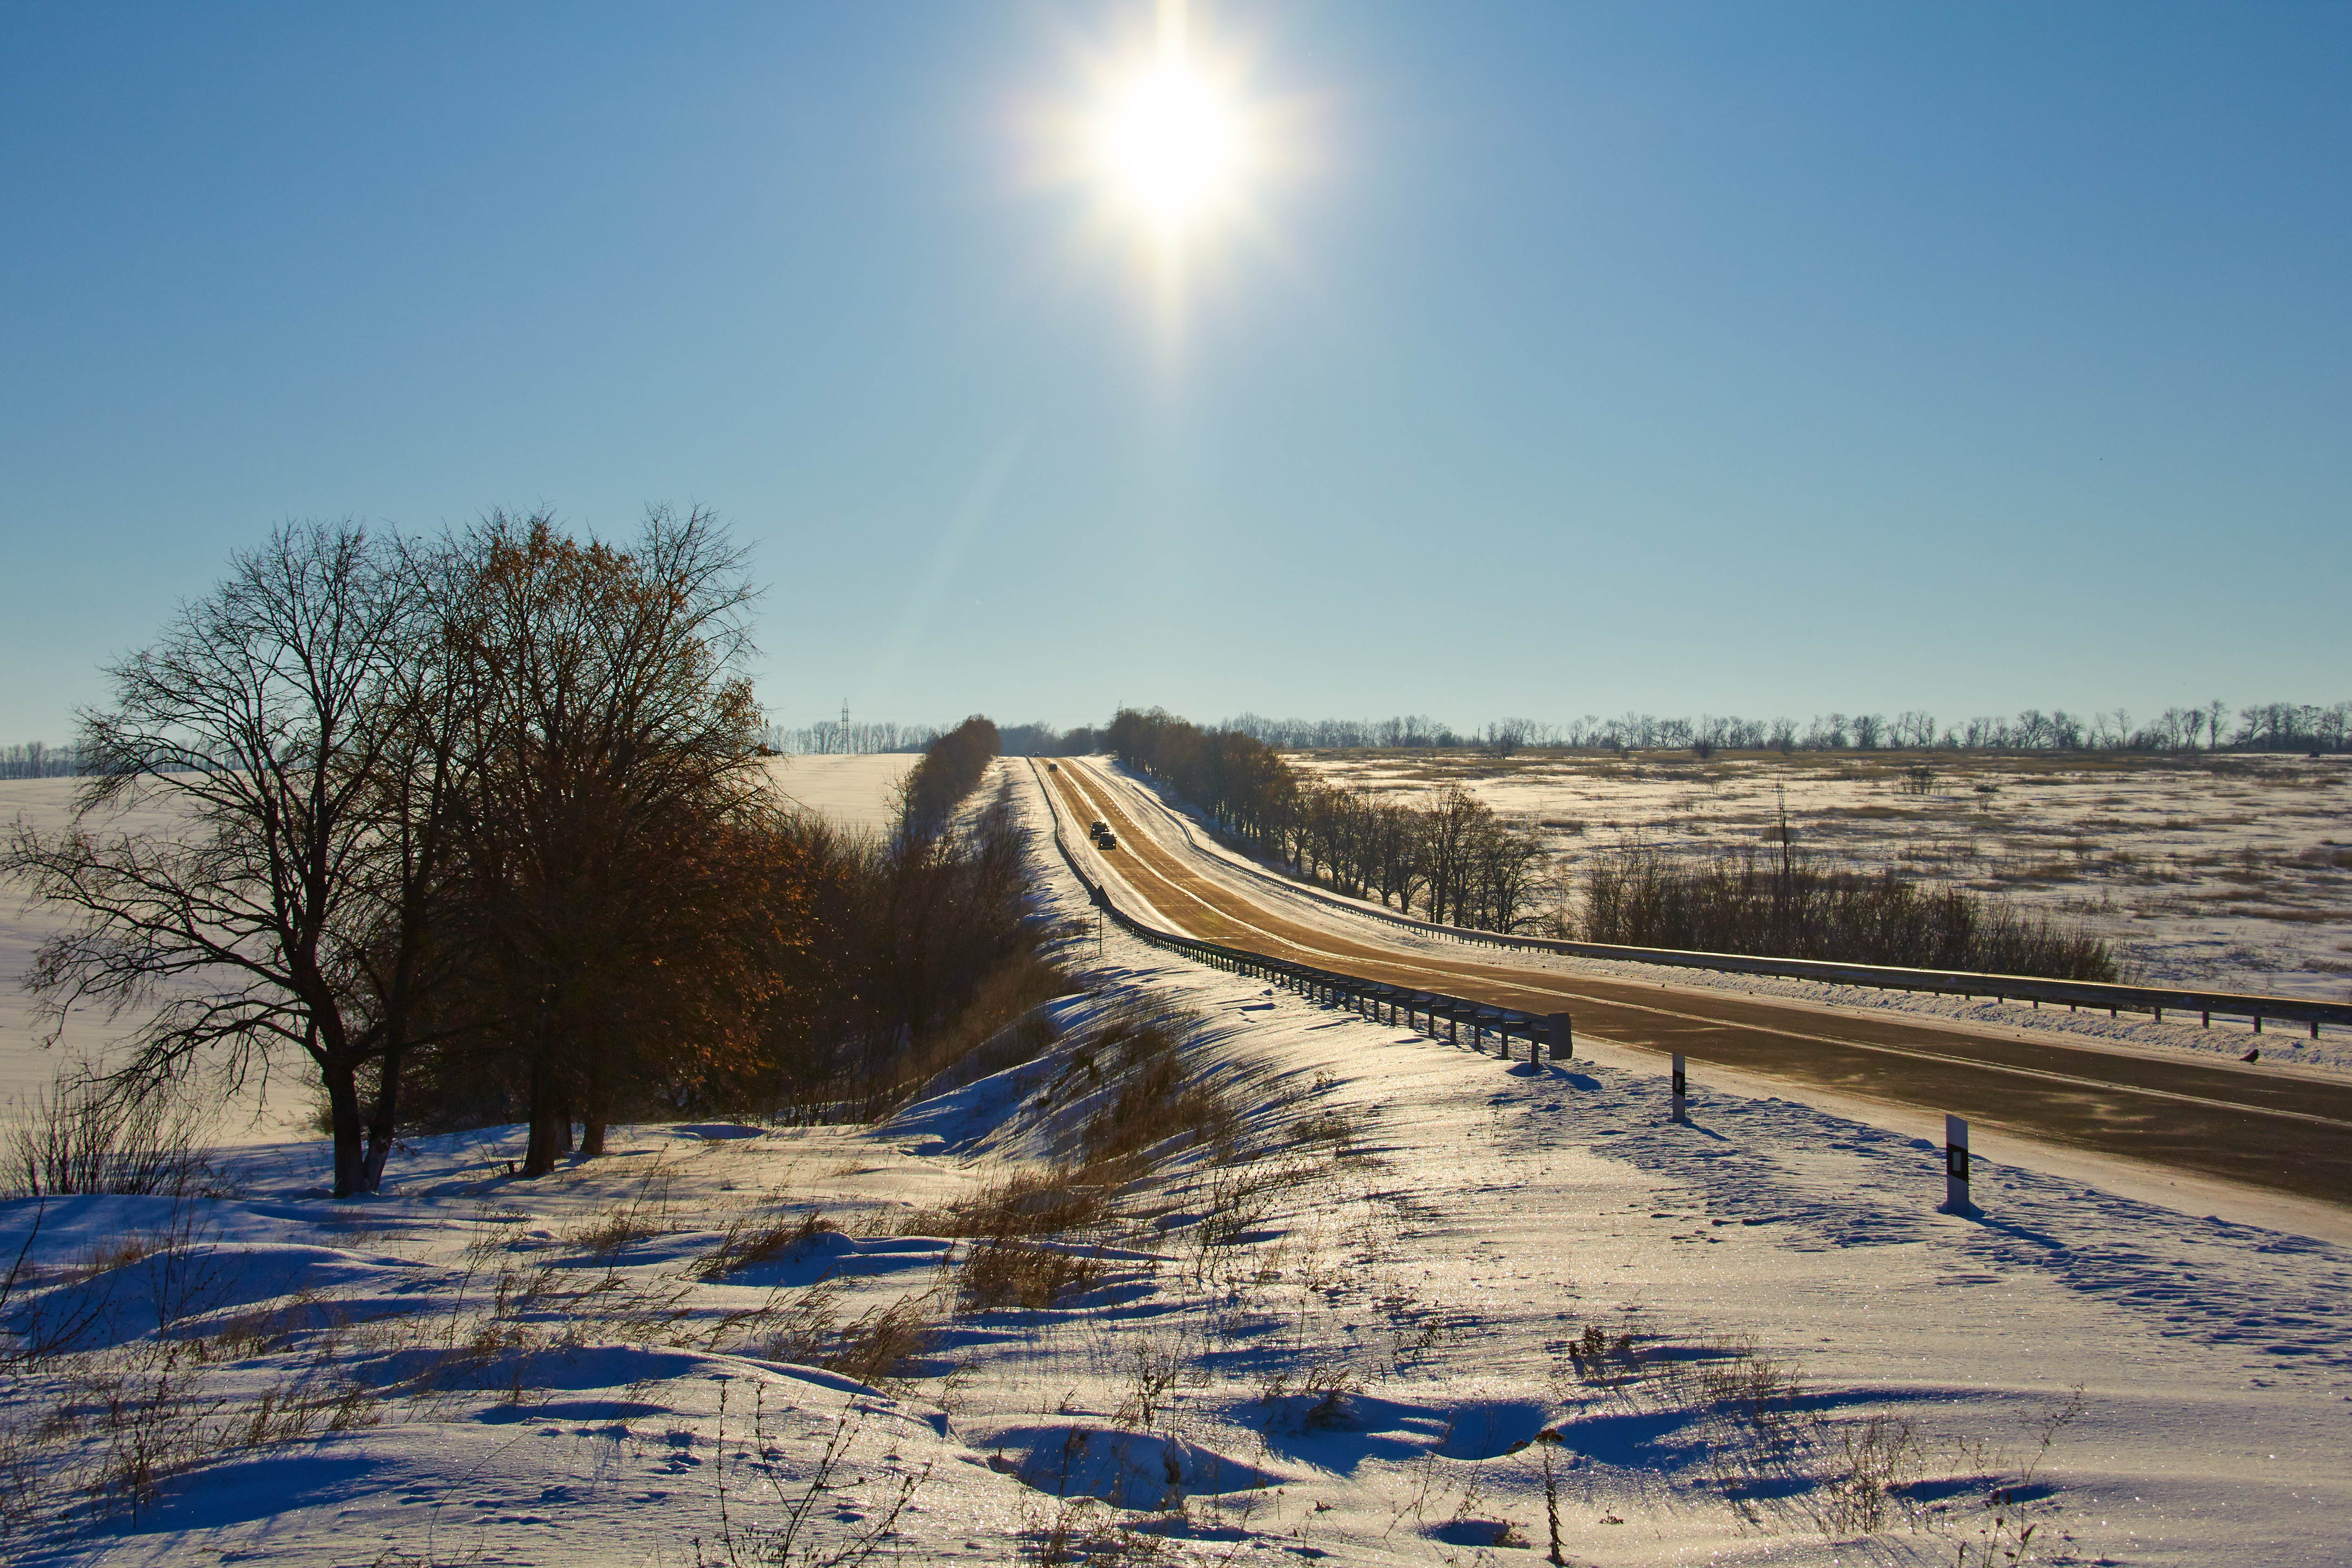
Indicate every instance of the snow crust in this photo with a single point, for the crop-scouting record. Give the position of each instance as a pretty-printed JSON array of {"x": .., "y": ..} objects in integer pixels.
[{"x": 1350, "y": 1374}]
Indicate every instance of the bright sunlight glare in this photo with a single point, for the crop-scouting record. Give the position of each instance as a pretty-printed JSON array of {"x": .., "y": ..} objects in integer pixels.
[{"x": 1171, "y": 144}]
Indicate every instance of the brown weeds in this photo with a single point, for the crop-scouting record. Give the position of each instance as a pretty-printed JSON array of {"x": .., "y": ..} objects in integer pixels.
[{"x": 1003, "y": 1272}]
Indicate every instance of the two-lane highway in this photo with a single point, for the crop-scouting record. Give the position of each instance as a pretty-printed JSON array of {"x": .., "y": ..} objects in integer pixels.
[{"x": 2291, "y": 1131}]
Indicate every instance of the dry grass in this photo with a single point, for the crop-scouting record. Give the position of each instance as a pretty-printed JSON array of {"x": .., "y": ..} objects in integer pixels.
[
  {"x": 84, "y": 1137},
  {"x": 880, "y": 1347},
  {"x": 755, "y": 1238},
  {"x": 1044, "y": 1202},
  {"x": 1002, "y": 1272}
]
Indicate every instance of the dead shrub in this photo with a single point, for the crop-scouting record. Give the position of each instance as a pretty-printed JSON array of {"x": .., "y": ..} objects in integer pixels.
[
  {"x": 1000, "y": 1027},
  {"x": 1003, "y": 1272},
  {"x": 1332, "y": 1127},
  {"x": 876, "y": 1348},
  {"x": 753, "y": 1239},
  {"x": 800, "y": 1329},
  {"x": 1156, "y": 1099},
  {"x": 1046, "y": 1202},
  {"x": 1875, "y": 1460},
  {"x": 81, "y": 1136},
  {"x": 602, "y": 1239}
]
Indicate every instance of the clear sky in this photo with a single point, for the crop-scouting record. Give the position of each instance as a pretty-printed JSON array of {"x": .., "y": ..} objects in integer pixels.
[{"x": 1541, "y": 359}]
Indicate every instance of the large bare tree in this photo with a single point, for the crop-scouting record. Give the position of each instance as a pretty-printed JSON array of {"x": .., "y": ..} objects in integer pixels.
[
  {"x": 280, "y": 712},
  {"x": 618, "y": 747}
]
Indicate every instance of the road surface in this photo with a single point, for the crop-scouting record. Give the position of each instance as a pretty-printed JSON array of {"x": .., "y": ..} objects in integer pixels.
[{"x": 2290, "y": 1132}]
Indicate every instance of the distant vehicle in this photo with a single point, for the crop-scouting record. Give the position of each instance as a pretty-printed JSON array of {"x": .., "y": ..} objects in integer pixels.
[
  {"x": 1053, "y": 767},
  {"x": 1099, "y": 829},
  {"x": 1106, "y": 841}
]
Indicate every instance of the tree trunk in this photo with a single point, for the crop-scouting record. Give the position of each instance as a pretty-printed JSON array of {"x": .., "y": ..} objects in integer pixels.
[
  {"x": 595, "y": 1113},
  {"x": 539, "y": 1154},
  {"x": 380, "y": 1123},
  {"x": 344, "y": 1110}
]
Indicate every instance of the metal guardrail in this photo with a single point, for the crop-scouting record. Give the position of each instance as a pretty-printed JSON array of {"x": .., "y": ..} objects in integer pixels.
[
  {"x": 1421, "y": 1009},
  {"x": 2070, "y": 994}
]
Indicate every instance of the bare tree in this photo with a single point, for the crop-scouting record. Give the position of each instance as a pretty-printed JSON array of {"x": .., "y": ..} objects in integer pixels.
[
  {"x": 618, "y": 735},
  {"x": 269, "y": 711}
]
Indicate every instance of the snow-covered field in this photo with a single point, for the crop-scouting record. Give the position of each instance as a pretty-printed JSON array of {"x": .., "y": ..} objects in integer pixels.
[
  {"x": 1329, "y": 1332},
  {"x": 2228, "y": 873},
  {"x": 859, "y": 791}
]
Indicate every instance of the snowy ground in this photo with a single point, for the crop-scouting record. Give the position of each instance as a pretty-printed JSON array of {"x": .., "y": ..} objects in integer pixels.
[
  {"x": 859, "y": 791},
  {"x": 1324, "y": 1334},
  {"x": 2233, "y": 873}
]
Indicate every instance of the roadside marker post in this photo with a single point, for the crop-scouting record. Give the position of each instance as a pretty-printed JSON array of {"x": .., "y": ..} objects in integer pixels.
[
  {"x": 1681, "y": 1088},
  {"x": 1956, "y": 1165},
  {"x": 1563, "y": 1038}
]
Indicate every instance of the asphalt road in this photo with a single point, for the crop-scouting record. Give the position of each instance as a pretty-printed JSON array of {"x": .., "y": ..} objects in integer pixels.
[{"x": 2290, "y": 1132}]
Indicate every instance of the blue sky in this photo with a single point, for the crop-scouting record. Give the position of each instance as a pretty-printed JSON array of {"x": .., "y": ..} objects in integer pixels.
[{"x": 1722, "y": 358}]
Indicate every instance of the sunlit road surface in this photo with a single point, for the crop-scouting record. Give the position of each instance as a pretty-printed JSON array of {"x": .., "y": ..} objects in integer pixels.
[{"x": 2288, "y": 1131}]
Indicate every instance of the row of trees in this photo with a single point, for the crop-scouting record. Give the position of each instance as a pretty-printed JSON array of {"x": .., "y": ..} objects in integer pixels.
[
  {"x": 2265, "y": 727},
  {"x": 2214, "y": 727},
  {"x": 482, "y": 820},
  {"x": 950, "y": 769},
  {"x": 1453, "y": 861},
  {"x": 843, "y": 738},
  {"x": 1045, "y": 741},
  {"x": 36, "y": 760},
  {"x": 1639, "y": 897}
]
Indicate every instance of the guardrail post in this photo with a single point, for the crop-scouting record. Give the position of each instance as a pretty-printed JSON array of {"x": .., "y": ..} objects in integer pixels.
[
  {"x": 1682, "y": 1087},
  {"x": 1563, "y": 1036},
  {"x": 1453, "y": 1026},
  {"x": 1956, "y": 1165}
]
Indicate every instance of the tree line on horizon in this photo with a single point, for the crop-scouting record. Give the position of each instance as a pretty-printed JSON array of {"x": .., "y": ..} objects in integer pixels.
[
  {"x": 2325, "y": 727},
  {"x": 2213, "y": 727},
  {"x": 480, "y": 828}
]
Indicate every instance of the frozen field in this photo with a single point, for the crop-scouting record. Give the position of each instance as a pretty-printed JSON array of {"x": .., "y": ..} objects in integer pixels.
[
  {"x": 1324, "y": 1334},
  {"x": 2234, "y": 873},
  {"x": 859, "y": 791}
]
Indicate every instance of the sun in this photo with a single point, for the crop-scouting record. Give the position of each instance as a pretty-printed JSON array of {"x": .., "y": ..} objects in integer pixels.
[{"x": 1171, "y": 144}]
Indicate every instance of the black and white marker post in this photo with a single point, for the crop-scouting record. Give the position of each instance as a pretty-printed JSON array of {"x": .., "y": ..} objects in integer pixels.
[
  {"x": 1562, "y": 1035},
  {"x": 1956, "y": 1165},
  {"x": 1682, "y": 1087}
]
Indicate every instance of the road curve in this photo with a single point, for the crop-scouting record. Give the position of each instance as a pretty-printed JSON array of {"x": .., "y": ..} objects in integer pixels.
[{"x": 2287, "y": 1132}]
